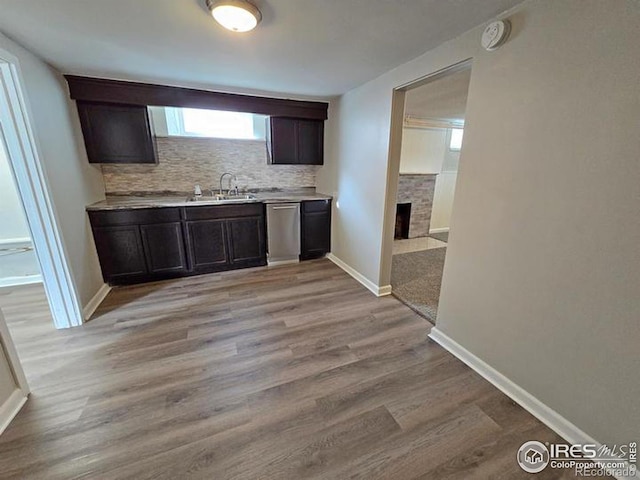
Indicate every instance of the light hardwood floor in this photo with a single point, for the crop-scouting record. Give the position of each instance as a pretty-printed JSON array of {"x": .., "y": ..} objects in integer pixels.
[{"x": 292, "y": 372}]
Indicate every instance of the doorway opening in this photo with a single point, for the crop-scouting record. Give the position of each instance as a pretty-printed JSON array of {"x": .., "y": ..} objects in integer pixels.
[
  {"x": 43, "y": 282},
  {"x": 18, "y": 261},
  {"x": 37, "y": 293},
  {"x": 426, "y": 141},
  {"x": 24, "y": 308}
]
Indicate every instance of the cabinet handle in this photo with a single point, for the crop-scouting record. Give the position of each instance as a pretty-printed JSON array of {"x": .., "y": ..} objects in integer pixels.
[{"x": 285, "y": 208}]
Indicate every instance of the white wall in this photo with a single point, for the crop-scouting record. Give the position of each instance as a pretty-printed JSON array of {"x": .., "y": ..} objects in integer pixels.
[
  {"x": 13, "y": 226},
  {"x": 445, "y": 188},
  {"x": 73, "y": 183},
  {"x": 423, "y": 150},
  {"x": 354, "y": 173},
  {"x": 443, "y": 196},
  {"x": 542, "y": 277}
]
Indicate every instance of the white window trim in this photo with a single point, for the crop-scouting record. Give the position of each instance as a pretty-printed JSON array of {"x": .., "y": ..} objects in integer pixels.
[{"x": 175, "y": 121}]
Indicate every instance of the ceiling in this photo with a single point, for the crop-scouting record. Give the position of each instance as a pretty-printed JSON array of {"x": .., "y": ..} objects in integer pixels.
[
  {"x": 302, "y": 47},
  {"x": 443, "y": 99}
]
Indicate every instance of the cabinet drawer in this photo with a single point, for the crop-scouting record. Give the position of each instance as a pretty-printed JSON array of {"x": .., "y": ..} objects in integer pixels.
[
  {"x": 134, "y": 217},
  {"x": 314, "y": 206},
  {"x": 223, "y": 211}
]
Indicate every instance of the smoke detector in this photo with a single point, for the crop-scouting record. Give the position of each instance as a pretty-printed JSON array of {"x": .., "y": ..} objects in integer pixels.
[{"x": 495, "y": 34}]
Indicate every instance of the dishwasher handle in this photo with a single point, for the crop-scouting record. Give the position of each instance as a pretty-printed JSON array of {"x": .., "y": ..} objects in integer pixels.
[{"x": 286, "y": 207}]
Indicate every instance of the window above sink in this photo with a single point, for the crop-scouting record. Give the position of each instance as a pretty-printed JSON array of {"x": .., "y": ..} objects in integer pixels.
[{"x": 203, "y": 123}]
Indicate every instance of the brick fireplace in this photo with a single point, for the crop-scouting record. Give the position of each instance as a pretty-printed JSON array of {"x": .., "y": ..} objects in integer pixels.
[{"x": 416, "y": 190}]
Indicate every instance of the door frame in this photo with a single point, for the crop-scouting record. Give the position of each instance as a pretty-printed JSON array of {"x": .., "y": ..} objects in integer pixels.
[
  {"x": 25, "y": 161},
  {"x": 20, "y": 395},
  {"x": 393, "y": 169}
]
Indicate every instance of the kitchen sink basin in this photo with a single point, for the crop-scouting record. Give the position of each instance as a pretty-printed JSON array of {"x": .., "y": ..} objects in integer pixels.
[{"x": 222, "y": 199}]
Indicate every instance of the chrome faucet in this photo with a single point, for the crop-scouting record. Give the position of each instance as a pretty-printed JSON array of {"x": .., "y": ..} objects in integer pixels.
[{"x": 232, "y": 177}]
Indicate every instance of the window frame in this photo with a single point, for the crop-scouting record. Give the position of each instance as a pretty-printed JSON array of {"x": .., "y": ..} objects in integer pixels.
[
  {"x": 175, "y": 121},
  {"x": 451, "y": 148}
]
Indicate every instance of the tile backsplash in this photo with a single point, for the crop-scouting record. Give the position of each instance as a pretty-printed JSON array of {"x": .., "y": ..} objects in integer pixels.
[{"x": 185, "y": 162}]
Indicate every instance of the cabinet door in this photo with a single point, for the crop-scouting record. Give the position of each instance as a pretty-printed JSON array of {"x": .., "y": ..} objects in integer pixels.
[
  {"x": 117, "y": 133},
  {"x": 283, "y": 140},
  {"x": 316, "y": 229},
  {"x": 207, "y": 244},
  {"x": 246, "y": 239},
  {"x": 310, "y": 142},
  {"x": 164, "y": 247},
  {"x": 120, "y": 251}
]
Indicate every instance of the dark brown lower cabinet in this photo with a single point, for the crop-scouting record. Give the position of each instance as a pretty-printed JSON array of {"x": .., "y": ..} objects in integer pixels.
[
  {"x": 120, "y": 251},
  {"x": 218, "y": 243},
  {"x": 246, "y": 240},
  {"x": 164, "y": 248},
  {"x": 315, "y": 229},
  {"x": 142, "y": 245},
  {"x": 208, "y": 245}
]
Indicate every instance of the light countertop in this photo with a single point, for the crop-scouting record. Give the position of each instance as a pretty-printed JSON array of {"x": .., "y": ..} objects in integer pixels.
[{"x": 155, "y": 200}]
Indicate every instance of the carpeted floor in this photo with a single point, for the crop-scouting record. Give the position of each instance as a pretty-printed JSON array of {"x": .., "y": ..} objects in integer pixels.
[
  {"x": 416, "y": 279},
  {"x": 442, "y": 236}
]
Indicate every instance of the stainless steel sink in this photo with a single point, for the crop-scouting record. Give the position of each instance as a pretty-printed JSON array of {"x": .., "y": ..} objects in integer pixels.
[{"x": 222, "y": 199}]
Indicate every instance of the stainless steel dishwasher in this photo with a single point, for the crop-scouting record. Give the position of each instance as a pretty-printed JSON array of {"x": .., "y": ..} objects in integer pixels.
[{"x": 283, "y": 233}]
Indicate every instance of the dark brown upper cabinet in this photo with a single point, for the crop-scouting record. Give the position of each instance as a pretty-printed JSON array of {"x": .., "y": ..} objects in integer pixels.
[
  {"x": 86, "y": 89},
  {"x": 116, "y": 125},
  {"x": 295, "y": 141},
  {"x": 117, "y": 133}
]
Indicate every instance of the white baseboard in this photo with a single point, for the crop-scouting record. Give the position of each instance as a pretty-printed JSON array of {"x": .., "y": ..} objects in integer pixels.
[
  {"x": 368, "y": 284},
  {"x": 15, "y": 242},
  {"x": 439, "y": 230},
  {"x": 95, "y": 302},
  {"x": 384, "y": 290},
  {"x": 24, "y": 280},
  {"x": 552, "y": 419},
  {"x": 11, "y": 408},
  {"x": 275, "y": 263}
]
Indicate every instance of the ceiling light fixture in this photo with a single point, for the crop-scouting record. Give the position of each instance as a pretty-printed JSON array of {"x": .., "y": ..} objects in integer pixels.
[{"x": 235, "y": 15}]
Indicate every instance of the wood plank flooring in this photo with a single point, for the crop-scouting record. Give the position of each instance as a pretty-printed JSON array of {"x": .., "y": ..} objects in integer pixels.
[{"x": 291, "y": 372}]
